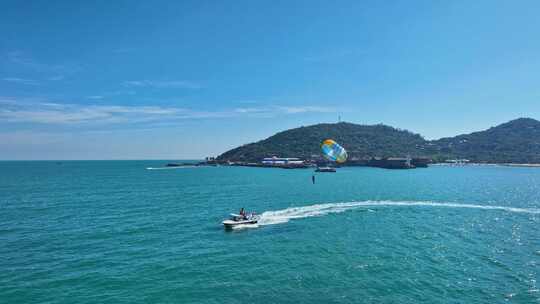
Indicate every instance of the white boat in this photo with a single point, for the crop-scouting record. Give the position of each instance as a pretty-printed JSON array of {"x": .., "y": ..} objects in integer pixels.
[{"x": 237, "y": 219}]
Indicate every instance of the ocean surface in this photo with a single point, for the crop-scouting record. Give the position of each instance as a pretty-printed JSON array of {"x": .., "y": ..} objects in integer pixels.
[{"x": 116, "y": 232}]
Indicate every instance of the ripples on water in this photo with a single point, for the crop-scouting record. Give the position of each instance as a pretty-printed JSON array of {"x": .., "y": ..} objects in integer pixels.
[{"x": 91, "y": 232}]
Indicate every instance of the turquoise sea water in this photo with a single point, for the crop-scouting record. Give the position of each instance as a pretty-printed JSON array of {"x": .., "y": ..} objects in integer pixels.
[{"x": 114, "y": 232}]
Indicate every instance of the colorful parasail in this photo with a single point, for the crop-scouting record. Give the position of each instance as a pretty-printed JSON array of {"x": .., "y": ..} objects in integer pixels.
[{"x": 333, "y": 151}]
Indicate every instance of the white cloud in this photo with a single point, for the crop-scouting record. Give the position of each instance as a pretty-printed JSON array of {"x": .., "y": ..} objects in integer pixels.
[
  {"x": 251, "y": 110},
  {"x": 162, "y": 84},
  {"x": 23, "y": 60},
  {"x": 285, "y": 110},
  {"x": 52, "y": 116},
  {"x": 307, "y": 109},
  {"x": 21, "y": 80},
  {"x": 50, "y": 113},
  {"x": 44, "y": 112},
  {"x": 7, "y": 100},
  {"x": 95, "y": 97}
]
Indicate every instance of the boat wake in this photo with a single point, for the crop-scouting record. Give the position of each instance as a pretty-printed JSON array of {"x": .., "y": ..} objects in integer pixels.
[
  {"x": 285, "y": 215},
  {"x": 245, "y": 226}
]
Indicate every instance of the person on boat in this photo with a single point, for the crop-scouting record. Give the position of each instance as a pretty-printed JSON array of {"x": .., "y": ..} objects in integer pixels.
[{"x": 243, "y": 213}]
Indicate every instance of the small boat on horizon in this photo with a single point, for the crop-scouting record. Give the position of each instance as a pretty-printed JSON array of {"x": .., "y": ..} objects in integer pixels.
[{"x": 325, "y": 169}]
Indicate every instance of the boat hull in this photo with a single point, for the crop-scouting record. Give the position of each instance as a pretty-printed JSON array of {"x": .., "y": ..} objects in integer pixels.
[{"x": 231, "y": 224}]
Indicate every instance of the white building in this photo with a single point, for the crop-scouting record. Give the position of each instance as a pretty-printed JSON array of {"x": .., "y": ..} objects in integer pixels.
[{"x": 281, "y": 161}]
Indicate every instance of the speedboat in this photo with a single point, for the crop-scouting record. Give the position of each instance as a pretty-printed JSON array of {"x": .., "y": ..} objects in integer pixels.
[
  {"x": 237, "y": 219},
  {"x": 325, "y": 169}
]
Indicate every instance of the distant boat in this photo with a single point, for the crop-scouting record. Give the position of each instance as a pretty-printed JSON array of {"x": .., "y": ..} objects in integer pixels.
[{"x": 325, "y": 169}]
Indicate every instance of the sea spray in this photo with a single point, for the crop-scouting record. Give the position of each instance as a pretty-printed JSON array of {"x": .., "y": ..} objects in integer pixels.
[{"x": 283, "y": 216}]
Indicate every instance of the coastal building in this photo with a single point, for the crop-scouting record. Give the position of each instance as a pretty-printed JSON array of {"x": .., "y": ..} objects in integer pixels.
[
  {"x": 391, "y": 163},
  {"x": 282, "y": 161},
  {"x": 358, "y": 161},
  {"x": 457, "y": 162}
]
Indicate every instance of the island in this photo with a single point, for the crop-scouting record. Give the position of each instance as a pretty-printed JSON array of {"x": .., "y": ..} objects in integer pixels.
[{"x": 514, "y": 142}]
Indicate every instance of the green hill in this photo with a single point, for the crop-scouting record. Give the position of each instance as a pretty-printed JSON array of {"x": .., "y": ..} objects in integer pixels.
[
  {"x": 303, "y": 142},
  {"x": 517, "y": 141}
]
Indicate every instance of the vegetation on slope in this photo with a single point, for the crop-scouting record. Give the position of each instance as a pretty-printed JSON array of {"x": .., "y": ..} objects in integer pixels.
[
  {"x": 517, "y": 141},
  {"x": 304, "y": 142}
]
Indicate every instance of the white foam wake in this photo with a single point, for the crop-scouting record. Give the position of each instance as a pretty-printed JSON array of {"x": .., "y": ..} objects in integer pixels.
[{"x": 285, "y": 215}]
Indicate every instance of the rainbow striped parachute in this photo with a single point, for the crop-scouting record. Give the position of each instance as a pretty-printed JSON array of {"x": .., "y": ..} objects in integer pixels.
[{"x": 333, "y": 151}]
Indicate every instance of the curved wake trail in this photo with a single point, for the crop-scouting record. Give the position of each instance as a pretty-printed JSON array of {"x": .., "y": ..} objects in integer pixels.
[{"x": 285, "y": 215}]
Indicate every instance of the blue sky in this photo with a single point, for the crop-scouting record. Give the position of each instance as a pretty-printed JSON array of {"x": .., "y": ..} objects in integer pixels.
[{"x": 187, "y": 79}]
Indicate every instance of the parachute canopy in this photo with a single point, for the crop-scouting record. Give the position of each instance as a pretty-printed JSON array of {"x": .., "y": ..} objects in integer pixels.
[{"x": 333, "y": 151}]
